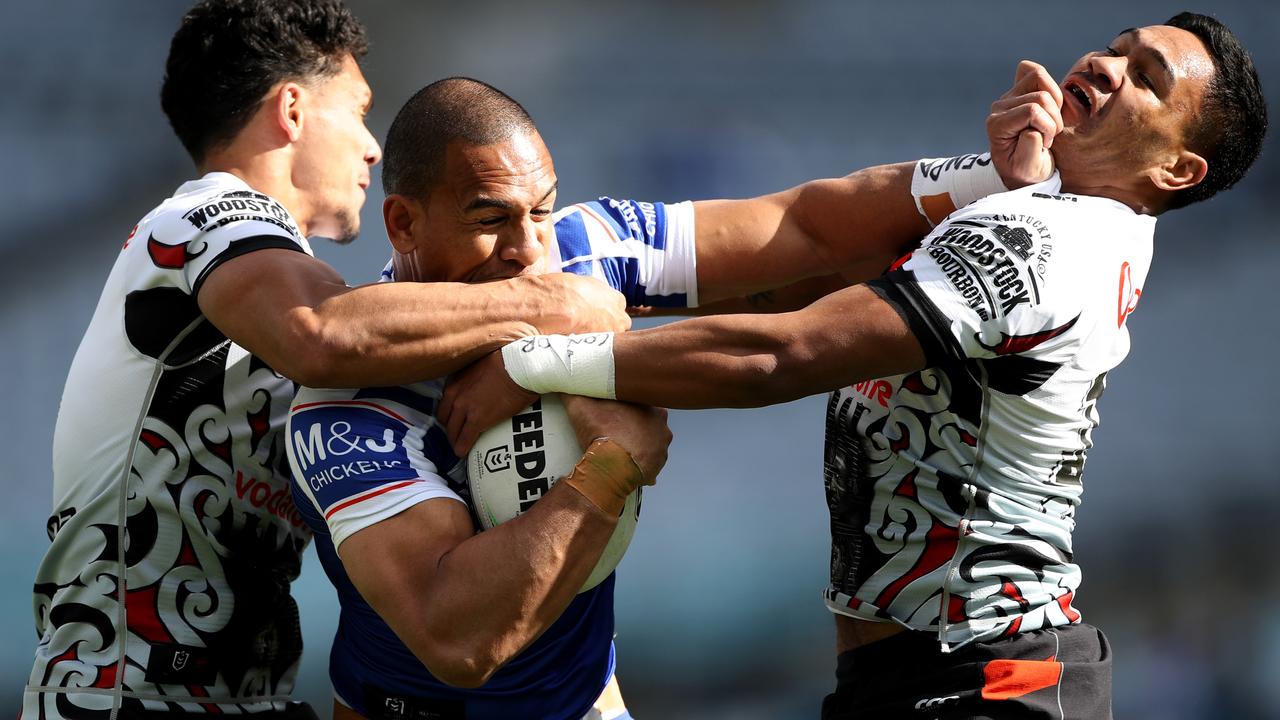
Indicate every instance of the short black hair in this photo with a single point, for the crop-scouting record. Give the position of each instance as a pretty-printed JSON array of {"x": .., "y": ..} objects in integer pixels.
[
  {"x": 228, "y": 54},
  {"x": 456, "y": 108},
  {"x": 1232, "y": 121}
]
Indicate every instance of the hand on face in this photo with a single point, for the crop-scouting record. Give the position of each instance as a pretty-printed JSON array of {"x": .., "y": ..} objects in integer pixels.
[
  {"x": 1023, "y": 124},
  {"x": 1126, "y": 111}
]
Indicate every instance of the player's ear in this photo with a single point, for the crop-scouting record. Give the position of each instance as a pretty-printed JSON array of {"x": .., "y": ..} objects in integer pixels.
[
  {"x": 400, "y": 214},
  {"x": 287, "y": 103},
  {"x": 1181, "y": 171}
]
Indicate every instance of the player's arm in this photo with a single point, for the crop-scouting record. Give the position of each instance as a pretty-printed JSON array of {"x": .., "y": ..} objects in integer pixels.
[
  {"x": 866, "y": 219},
  {"x": 784, "y": 299},
  {"x": 468, "y": 603},
  {"x": 755, "y": 360},
  {"x": 858, "y": 224},
  {"x": 297, "y": 314},
  {"x": 718, "y": 361}
]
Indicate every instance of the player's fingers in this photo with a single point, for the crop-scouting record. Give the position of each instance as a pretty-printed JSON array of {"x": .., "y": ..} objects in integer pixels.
[
  {"x": 1033, "y": 77},
  {"x": 1040, "y": 98},
  {"x": 445, "y": 409},
  {"x": 1038, "y": 79},
  {"x": 466, "y": 437},
  {"x": 1022, "y": 78},
  {"x": 453, "y": 423},
  {"x": 1010, "y": 124},
  {"x": 457, "y": 436},
  {"x": 1031, "y": 158},
  {"x": 1025, "y": 69}
]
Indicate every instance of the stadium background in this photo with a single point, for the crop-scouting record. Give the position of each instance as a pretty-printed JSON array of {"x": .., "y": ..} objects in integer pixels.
[{"x": 719, "y": 613}]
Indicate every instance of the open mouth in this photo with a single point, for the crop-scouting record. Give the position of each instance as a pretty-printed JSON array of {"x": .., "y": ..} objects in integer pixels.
[{"x": 1080, "y": 95}]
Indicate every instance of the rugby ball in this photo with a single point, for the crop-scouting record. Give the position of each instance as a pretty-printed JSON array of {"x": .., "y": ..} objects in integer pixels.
[{"x": 517, "y": 461}]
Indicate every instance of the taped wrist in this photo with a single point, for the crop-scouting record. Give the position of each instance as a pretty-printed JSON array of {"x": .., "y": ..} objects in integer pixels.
[
  {"x": 940, "y": 186},
  {"x": 606, "y": 475},
  {"x": 573, "y": 364}
]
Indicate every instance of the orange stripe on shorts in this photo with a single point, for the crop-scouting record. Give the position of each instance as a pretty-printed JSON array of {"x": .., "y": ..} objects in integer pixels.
[{"x": 1007, "y": 679}]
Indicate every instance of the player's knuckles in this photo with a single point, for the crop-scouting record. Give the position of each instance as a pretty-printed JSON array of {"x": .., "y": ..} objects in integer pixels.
[
  {"x": 997, "y": 122},
  {"x": 1045, "y": 122},
  {"x": 1043, "y": 97},
  {"x": 1029, "y": 67},
  {"x": 1004, "y": 105},
  {"x": 1045, "y": 83},
  {"x": 1025, "y": 67}
]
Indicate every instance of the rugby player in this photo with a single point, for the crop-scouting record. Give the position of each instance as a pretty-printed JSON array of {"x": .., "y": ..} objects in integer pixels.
[
  {"x": 436, "y": 618},
  {"x": 166, "y": 587},
  {"x": 966, "y": 381}
]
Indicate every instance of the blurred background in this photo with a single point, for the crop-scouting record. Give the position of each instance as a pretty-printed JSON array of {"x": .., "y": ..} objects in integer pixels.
[{"x": 719, "y": 611}]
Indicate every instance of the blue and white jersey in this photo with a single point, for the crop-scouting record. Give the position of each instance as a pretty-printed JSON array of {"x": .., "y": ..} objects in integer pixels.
[
  {"x": 643, "y": 250},
  {"x": 361, "y": 456}
]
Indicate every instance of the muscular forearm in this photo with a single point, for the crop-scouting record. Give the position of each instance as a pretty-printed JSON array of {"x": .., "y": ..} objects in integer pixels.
[
  {"x": 757, "y": 360},
  {"x": 483, "y": 598},
  {"x": 496, "y": 592},
  {"x": 396, "y": 333},
  {"x": 294, "y": 312},
  {"x": 856, "y": 225},
  {"x": 719, "y": 361}
]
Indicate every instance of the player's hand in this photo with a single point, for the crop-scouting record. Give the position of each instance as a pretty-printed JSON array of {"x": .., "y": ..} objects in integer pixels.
[
  {"x": 478, "y": 397},
  {"x": 1023, "y": 124},
  {"x": 641, "y": 429},
  {"x": 579, "y": 304}
]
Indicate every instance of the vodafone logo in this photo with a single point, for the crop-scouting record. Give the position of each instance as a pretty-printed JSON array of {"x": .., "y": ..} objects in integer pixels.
[{"x": 1129, "y": 295}]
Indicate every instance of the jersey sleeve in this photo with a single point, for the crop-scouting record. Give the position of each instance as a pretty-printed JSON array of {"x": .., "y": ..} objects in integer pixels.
[
  {"x": 643, "y": 250},
  {"x": 358, "y": 462},
  {"x": 973, "y": 291},
  {"x": 225, "y": 226}
]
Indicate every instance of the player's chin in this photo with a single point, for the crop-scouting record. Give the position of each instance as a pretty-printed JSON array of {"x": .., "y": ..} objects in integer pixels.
[{"x": 347, "y": 227}]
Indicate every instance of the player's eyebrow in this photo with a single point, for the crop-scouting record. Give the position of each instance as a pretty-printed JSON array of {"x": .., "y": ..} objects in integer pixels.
[
  {"x": 555, "y": 186},
  {"x": 483, "y": 201},
  {"x": 1154, "y": 54}
]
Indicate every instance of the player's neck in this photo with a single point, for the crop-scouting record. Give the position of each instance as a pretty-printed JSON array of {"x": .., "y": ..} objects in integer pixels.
[
  {"x": 1133, "y": 195},
  {"x": 266, "y": 170}
]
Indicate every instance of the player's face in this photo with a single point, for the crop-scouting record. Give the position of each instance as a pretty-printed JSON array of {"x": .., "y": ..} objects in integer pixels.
[
  {"x": 490, "y": 217},
  {"x": 335, "y": 152},
  {"x": 1126, "y": 108}
]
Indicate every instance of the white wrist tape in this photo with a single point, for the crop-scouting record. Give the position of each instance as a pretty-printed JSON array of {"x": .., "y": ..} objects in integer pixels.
[
  {"x": 573, "y": 364},
  {"x": 962, "y": 179}
]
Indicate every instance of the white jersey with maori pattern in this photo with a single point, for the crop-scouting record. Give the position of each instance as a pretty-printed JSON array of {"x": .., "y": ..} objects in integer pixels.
[
  {"x": 953, "y": 490},
  {"x": 174, "y": 538}
]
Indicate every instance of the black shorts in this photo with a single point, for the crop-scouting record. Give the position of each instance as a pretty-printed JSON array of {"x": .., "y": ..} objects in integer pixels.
[{"x": 1061, "y": 673}]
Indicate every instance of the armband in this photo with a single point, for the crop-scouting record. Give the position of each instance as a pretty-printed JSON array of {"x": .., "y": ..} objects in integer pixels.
[
  {"x": 572, "y": 364},
  {"x": 940, "y": 186}
]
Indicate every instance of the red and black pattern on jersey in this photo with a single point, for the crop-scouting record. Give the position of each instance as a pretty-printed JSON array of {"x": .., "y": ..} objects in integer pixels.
[
  {"x": 174, "y": 537},
  {"x": 196, "y": 541},
  {"x": 953, "y": 490}
]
